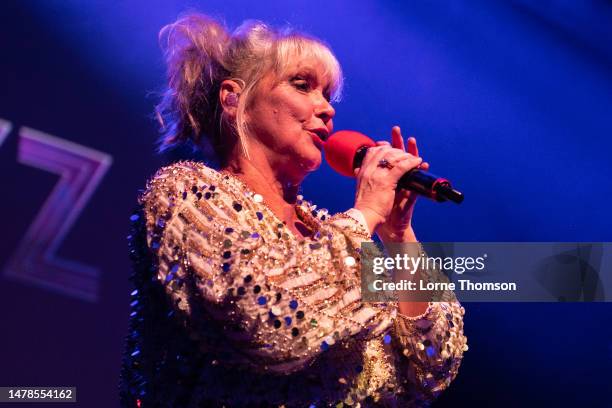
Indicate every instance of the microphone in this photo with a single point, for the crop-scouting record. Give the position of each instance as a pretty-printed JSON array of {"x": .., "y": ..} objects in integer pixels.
[{"x": 346, "y": 149}]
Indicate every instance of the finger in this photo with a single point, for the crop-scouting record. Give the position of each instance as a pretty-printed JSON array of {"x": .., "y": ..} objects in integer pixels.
[
  {"x": 424, "y": 166},
  {"x": 408, "y": 163},
  {"x": 397, "y": 140},
  {"x": 412, "y": 146},
  {"x": 372, "y": 158},
  {"x": 375, "y": 154},
  {"x": 383, "y": 143}
]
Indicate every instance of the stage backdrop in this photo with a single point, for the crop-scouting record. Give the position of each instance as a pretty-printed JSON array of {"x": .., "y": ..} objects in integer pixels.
[{"x": 512, "y": 100}]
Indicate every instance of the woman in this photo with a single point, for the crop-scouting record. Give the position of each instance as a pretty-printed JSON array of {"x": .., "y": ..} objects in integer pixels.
[{"x": 246, "y": 295}]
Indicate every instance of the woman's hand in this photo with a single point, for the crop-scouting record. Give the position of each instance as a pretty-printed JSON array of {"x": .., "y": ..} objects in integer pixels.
[
  {"x": 398, "y": 226},
  {"x": 387, "y": 211}
]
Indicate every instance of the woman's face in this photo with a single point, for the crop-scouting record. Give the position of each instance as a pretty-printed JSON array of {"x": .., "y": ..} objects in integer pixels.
[{"x": 291, "y": 116}]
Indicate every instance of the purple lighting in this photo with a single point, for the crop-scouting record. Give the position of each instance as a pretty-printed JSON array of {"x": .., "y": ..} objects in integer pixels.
[{"x": 5, "y": 129}]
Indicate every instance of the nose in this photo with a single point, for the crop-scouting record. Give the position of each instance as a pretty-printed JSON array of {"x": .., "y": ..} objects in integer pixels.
[{"x": 324, "y": 110}]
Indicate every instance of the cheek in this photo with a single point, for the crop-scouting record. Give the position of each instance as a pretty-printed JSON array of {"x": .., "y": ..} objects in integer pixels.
[{"x": 290, "y": 105}]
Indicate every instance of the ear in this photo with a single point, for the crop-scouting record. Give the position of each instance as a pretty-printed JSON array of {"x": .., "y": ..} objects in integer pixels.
[{"x": 229, "y": 94}]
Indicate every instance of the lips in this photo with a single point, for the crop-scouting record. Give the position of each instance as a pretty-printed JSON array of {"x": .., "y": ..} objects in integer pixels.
[
  {"x": 316, "y": 139},
  {"x": 322, "y": 133}
]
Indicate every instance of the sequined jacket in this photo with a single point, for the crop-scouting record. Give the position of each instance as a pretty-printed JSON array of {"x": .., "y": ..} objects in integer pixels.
[{"x": 232, "y": 309}]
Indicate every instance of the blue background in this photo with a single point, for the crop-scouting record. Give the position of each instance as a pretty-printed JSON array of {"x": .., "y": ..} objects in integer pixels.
[{"x": 512, "y": 100}]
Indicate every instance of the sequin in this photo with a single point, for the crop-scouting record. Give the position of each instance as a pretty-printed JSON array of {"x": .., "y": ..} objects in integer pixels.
[
  {"x": 295, "y": 332},
  {"x": 242, "y": 291},
  {"x": 227, "y": 243},
  {"x": 262, "y": 300},
  {"x": 275, "y": 310},
  {"x": 313, "y": 322},
  {"x": 256, "y": 289},
  {"x": 299, "y": 314},
  {"x": 349, "y": 261},
  {"x": 134, "y": 217},
  {"x": 293, "y": 304},
  {"x": 259, "y": 215},
  {"x": 229, "y": 230},
  {"x": 169, "y": 277},
  {"x": 288, "y": 320},
  {"x": 237, "y": 206},
  {"x": 227, "y": 254},
  {"x": 324, "y": 346},
  {"x": 387, "y": 339},
  {"x": 226, "y": 267},
  {"x": 257, "y": 198},
  {"x": 277, "y": 324}
]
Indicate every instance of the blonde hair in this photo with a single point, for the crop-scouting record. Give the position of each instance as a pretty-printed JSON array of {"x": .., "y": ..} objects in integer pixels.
[{"x": 200, "y": 54}]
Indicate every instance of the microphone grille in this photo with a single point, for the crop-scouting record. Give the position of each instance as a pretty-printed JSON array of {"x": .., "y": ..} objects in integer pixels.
[{"x": 341, "y": 147}]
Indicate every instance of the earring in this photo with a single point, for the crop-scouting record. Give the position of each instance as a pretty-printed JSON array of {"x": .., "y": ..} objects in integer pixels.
[{"x": 231, "y": 99}]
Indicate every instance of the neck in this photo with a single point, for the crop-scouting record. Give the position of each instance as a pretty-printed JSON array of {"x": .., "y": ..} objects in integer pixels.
[{"x": 278, "y": 191}]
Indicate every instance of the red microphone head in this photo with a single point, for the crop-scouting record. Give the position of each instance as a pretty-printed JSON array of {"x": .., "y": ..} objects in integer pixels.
[{"x": 340, "y": 149}]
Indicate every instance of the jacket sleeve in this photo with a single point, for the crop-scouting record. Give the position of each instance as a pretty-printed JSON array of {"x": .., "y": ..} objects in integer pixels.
[{"x": 424, "y": 351}]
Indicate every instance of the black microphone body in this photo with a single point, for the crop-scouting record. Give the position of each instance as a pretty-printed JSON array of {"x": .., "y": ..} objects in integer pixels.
[{"x": 421, "y": 182}]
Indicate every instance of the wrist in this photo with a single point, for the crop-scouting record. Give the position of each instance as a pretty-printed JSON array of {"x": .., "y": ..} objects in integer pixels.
[
  {"x": 390, "y": 236},
  {"x": 372, "y": 218}
]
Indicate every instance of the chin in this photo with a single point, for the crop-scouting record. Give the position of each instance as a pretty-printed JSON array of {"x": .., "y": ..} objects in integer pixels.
[
  {"x": 303, "y": 165},
  {"x": 312, "y": 162}
]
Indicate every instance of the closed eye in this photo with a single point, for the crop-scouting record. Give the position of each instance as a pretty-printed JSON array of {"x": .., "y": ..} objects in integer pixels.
[
  {"x": 301, "y": 84},
  {"x": 304, "y": 84}
]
